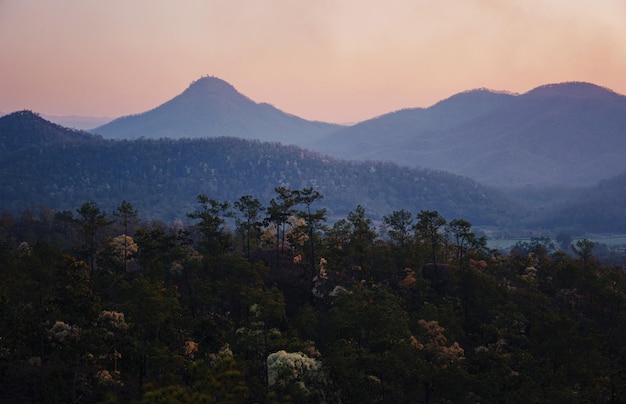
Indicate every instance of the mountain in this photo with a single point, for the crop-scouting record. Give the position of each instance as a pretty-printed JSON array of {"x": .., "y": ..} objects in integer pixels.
[
  {"x": 571, "y": 134},
  {"x": 383, "y": 135},
  {"x": 162, "y": 177},
  {"x": 210, "y": 107},
  {"x": 22, "y": 129}
]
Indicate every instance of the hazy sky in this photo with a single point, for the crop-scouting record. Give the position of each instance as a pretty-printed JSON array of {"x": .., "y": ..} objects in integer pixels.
[{"x": 329, "y": 60}]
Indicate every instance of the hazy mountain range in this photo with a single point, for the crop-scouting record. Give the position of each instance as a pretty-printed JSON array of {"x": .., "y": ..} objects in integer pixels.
[
  {"x": 569, "y": 134},
  {"x": 560, "y": 134},
  {"x": 162, "y": 177},
  {"x": 45, "y": 165},
  {"x": 561, "y": 145}
]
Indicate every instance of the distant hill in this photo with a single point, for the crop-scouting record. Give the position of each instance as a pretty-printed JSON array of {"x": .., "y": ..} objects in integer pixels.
[
  {"x": 25, "y": 128},
  {"x": 210, "y": 107},
  {"x": 569, "y": 134},
  {"x": 163, "y": 177}
]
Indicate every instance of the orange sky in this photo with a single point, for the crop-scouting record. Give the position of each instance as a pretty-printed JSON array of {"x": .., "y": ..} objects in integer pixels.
[{"x": 329, "y": 60}]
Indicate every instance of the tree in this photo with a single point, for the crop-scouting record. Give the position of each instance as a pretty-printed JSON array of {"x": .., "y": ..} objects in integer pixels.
[
  {"x": 278, "y": 213},
  {"x": 584, "y": 250},
  {"x": 91, "y": 220},
  {"x": 460, "y": 231},
  {"x": 249, "y": 224},
  {"x": 212, "y": 216},
  {"x": 362, "y": 237},
  {"x": 296, "y": 375},
  {"x": 428, "y": 229},
  {"x": 127, "y": 215},
  {"x": 155, "y": 317},
  {"x": 314, "y": 220},
  {"x": 368, "y": 333},
  {"x": 398, "y": 226}
]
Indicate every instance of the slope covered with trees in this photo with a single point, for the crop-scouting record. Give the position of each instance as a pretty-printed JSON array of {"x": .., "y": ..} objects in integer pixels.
[
  {"x": 23, "y": 129},
  {"x": 100, "y": 306},
  {"x": 160, "y": 175},
  {"x": 45, "y": 165}
]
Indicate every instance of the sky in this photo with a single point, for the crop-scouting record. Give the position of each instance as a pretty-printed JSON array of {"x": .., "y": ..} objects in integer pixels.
[{"x": 338, "y": 61}]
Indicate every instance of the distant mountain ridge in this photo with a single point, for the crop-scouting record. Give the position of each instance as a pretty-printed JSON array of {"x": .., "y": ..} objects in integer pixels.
[
  {"x": 211, "y": 107},
  {"x": 25, "y": 128},
  {"x": 162, "y": 177},
  {"x": 45, "y": 165},
  {"x": 566, "y": 134},
  {"x": 569, "y": 134},
  {"x": 559, "y": 134}
]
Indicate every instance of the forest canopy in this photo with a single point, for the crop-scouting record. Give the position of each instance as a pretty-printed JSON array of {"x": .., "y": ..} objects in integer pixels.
[{"x": 255, "y": 302}]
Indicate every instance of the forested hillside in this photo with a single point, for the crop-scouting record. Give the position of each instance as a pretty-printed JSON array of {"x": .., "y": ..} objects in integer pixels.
[
  {"x": 23, "y": 129},
  {"x": 100, "y": 307},
  {"x": 162, "y": 178},
  {"x": 44, "y": 165}
]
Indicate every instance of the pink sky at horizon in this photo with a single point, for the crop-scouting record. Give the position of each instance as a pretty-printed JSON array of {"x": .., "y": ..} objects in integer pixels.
[{"x": 329, "y": 60}]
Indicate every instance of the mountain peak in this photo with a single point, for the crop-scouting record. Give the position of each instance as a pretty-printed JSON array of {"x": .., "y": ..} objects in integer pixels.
[
  {"x": 26, "y": 120},
  {"x": 572, "y": 90},
  {"x": 211, "y": 85},
  {"x": 26, "y": 128},
  {"x": 211, "y": 107}
]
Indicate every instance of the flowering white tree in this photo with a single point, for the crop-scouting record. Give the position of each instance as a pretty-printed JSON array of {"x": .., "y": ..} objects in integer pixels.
[
  {"x": 124, "y": 248},
  {"x": 295, "y": 369}
]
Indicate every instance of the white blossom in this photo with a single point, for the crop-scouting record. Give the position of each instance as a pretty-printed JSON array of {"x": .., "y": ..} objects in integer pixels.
[
  {"x": 60, "y": 332},
  {"x": 284, "y": 367},
  {"x": 113, "y": 319},
  {"x": 124, "y": 247}
]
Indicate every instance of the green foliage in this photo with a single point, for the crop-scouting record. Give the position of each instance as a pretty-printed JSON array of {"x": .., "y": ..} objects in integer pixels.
[{"x": 190, "y": 319}]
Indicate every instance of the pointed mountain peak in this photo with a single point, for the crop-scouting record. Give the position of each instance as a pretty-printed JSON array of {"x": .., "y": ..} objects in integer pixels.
[
  {"x": 211, "y": 107},
  {"x": 211, "y": 85}
]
